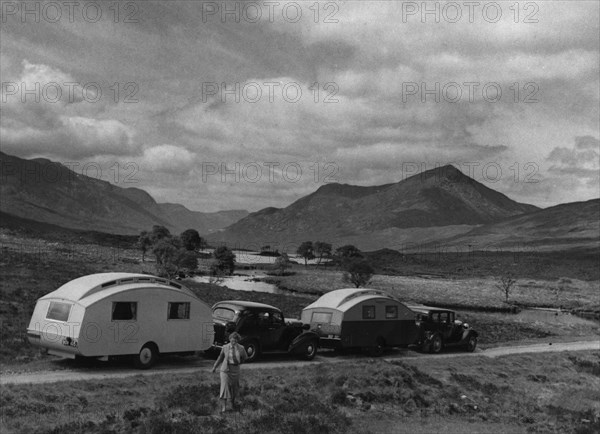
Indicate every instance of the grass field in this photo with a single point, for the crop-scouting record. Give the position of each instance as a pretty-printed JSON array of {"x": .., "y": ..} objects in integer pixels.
[
  {"x": 468, "y": 292},
  {"x": 549, "y": 393}
]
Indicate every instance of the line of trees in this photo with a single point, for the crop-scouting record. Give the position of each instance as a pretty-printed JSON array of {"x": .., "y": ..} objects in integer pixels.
[
  {"x": 177, "y": 255},
  {"x": 174, "y": 254},
  {"x": 357, "y": 269}
]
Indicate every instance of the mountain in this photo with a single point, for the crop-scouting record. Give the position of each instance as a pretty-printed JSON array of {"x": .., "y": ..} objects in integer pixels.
[
  {"x": 567, "y": 226},
  {"x": 436, "y": 204},
  {"x": 49, "y": 192}
]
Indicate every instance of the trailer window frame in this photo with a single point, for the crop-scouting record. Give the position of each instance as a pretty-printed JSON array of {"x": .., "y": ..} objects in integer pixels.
[
  {"x": 56, "y": 308},
  {"x": 132, "y": 310},
  {"x": 368, "y": 311},
  {"x": 391, "y": 311},
  {"x": 317, "y": 317},
  {"x": 186, "y": 311}
]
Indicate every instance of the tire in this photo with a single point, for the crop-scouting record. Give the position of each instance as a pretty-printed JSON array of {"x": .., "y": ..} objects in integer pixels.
[
  {"x": 252, "y": 350},
  {"x": 436, "y": 344},
  {"x": 377, "y": 350},
  {"x": 471, "y": 344},
  {"x": 425, "y": 346},
  {"x": 147, "y": 356},
  {"x": 309, "y": 350}
]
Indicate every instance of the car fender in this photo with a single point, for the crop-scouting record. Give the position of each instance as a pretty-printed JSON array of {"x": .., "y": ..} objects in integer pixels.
[
  {"x": 302, "y": 339},
  {"x": 467, "y": 334}
]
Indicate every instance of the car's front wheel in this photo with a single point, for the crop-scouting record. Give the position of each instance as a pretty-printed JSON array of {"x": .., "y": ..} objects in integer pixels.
[
  {"x": 252, "y": 350},
  {"x": 471, "y": 343}
]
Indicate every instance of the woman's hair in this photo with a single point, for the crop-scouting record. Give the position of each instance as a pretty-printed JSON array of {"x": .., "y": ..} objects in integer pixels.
[{"x": 236, "y": 336}]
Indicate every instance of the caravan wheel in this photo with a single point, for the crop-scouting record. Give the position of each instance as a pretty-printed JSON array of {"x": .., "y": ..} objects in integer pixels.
[
  {"x": 147, "y": 356},
  {"x": 378, "y": 349}
]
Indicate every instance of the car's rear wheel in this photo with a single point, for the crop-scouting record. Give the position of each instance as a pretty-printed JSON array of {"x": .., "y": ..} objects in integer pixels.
[
  {"x": 146, "y": 357},
  {"x": 310, "y": 350},
  {"x": 252, "y": 350},
  {"x": 435, "y": 346},
  {"x": 471, "y": 343}
]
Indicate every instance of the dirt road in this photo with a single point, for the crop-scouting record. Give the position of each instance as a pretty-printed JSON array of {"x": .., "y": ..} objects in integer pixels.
[{"x": 192, "y": 365}]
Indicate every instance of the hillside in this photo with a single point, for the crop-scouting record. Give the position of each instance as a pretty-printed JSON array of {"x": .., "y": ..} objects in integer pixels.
[
  {"x": 433, "y": 205},
  {"x": 563, "y": 227},
  {"x": 49, "y": 192}
]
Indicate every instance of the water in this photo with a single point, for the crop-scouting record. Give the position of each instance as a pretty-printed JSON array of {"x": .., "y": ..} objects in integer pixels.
[
  {"x": 244, "y": 283},
  {"x": 247, "y": 257}
]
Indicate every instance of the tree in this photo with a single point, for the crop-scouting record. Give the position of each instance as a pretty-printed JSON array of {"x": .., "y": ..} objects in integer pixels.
[
  {"x": 165, "y": 253},
  {"x": 192, "y": 240},
  {"x": 225, "y": 260},
  {"x": 358, "y": 272},
  {"x": 306, "y": 251},
  {"x": 505, "y": 285},
  {"x": 171, "y": 258},
  {"x": 322, "y": 250},
  {"x": 185, "y": 261},
  {"x": 159, "y": 233},
  {"x": 144, "y": 243},
  {"x": 282, "y": 263},
  {"x": 347, "y": 252}
]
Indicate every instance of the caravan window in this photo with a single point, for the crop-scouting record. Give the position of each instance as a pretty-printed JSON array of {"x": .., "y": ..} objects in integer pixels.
[
  {"x": 179, "y": 311},
  {"x": 391, "y": 312},
  {"x": 124, "y": 311},
  {"x": 321, "y": 317},
  {"x": 58, "y": 311},
  {"x": 368, "y": 312}
]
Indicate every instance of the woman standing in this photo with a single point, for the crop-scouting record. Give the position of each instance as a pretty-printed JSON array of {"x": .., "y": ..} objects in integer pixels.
[{"x": 230, "y": 358}]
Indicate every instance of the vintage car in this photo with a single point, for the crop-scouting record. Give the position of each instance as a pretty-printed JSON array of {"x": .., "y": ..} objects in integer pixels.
[
  {"x": 439, "y": 328},
  {"x": 263, "y": 329}
]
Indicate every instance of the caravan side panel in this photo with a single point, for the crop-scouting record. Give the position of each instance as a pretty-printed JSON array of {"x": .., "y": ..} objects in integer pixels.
[
  {"x": 371, "y": 320},
  {"x": 105, "y": 336}
]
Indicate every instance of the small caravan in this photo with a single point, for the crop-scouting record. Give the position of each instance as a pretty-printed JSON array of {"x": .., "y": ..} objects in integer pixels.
[
  {"x": 360, "y": 317},
  {"x": 115, "y": 314}
]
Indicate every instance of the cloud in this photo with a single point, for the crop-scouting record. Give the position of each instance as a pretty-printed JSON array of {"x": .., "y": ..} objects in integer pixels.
[
  {"x": 583, "y": 156},
  {"x": 363, "y": 62},
  {"x": 168, "y": 159},
  {"x": 587, "y": 142},
  {"x": 44, "y": 114}
]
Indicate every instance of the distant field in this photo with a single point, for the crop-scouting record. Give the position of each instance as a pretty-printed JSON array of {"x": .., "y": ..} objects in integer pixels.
[
  {"x": 467, "y": 292},
  {"x": 33, "y": 266}
]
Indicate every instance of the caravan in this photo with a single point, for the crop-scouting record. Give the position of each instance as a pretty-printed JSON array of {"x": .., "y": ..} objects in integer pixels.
[
  {"x": 115, "y": 314},
  {"x": 363, "y": 318}
]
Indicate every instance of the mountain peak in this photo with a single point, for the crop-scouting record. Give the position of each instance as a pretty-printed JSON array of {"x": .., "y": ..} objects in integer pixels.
[{"x": 447, "y": 172}]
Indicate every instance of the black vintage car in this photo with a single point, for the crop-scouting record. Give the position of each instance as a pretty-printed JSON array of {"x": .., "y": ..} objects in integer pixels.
[
  {"x": 263, "y": 329},
  {"x": 439, "y": 328}
]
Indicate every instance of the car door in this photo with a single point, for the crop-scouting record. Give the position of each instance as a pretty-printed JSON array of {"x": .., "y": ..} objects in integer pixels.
[
  {"x": 446, "y": 326},
  {"x": 266, "y": 331}
]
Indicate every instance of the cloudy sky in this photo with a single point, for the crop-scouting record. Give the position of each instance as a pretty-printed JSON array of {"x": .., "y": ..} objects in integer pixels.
[{"x": 247, "y": 105}]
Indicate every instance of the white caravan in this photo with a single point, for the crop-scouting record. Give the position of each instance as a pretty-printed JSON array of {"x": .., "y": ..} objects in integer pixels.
[{"x": 115, "y": 314}]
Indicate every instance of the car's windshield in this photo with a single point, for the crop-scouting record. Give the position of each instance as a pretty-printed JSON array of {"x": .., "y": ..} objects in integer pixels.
[{"x": 224, "y": 313}]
